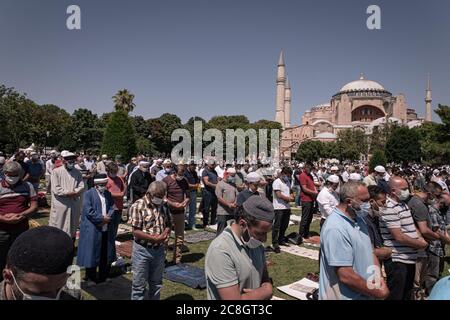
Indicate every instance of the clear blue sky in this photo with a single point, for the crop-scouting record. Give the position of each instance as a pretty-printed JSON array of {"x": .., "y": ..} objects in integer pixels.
[{"x": 214, "y": 57}]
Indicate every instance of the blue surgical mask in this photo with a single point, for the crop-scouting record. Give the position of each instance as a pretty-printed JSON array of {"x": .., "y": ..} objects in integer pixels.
[{"x": 364, "y": 209}]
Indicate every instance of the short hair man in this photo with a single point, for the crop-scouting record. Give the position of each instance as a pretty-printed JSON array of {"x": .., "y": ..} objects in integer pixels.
[
  {"x": 235, "y": 264},
  {"x": 41, "y": 274},
  {"x": 401, "y": 236},
  {"x": 347, "y": 262}
]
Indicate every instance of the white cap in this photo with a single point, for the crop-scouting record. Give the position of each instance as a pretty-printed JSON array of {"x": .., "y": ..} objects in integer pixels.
[
  {"x": 67, "y": 154},
  {"x": 2, "y": 160},
  {"x": 355, "y": 176},
  {"x": 301, "y": 165},
  {"x": 231, "y": 170},
  {"x": 333, "y": 178},
  {"x": 144, "y": 163},
  {"x": 436, "y": 171},
  {"x": 334, "y": 168},
  {"x": 167, "y": 161},
  {"x": 380, "y": 169},
  {"x": 253, "y": 177},
  {"x": 104, "y": 156}
]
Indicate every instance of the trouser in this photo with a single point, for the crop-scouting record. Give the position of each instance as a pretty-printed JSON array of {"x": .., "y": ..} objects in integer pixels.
[
  {"x": 307, "y": 215},
  {"x": 222, "y": 221},
  {"x": 178, "y": 225},
  {"x": 322, "y": 221},
  {"x": 400, "y": 279},
  {"x": 148, "y": 267},
  {"x": 104, "y": 267},
  {"x": 6, "y": 240},
  {"x": 192, "y": 209},
  {"x": 421, "y": 265},
  {"x": 210, "y": 206},
  {"x": 280, "y": 225},
  {"x": 297, "y": 191},
  {"x": 434, "y": 269},
  {"x": 48, "y": 183}
]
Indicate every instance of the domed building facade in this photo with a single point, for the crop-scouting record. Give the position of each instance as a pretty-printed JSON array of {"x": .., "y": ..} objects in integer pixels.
[{"x": 361, "y": 104}]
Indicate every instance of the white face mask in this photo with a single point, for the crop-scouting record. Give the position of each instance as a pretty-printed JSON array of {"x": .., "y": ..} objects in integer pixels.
[
  {"x": 12, "y": 181},
  {"x": 26, "y": 296},
  {"x": 252, "y": 243},
  {"x": 157, "y": 201},
  {"x": 403, "y": 195},
  {"x": 101, "y": 189}
]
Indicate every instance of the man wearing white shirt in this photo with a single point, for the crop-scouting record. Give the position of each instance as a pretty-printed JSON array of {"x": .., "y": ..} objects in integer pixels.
[
  {"x": 281, "y": 198},
  {"x": 328, "y": 198},
  {"x": 49, "y": 169}
]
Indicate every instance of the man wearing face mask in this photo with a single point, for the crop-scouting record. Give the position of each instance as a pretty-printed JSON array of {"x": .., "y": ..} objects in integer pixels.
[
  {"x": 282, "y": 196},
  {"x": 177, "y": 199},
  {"x": 18, "y": 201},
  {"x": 35, "y": 170},
  {"x": 328, "y": 198},
  {"x": 436, "y": 250},
  {"x": 253, "y": 179},
  {"x": 167, "y": 170},
  {"x": 381, "y": 178},
  {"x": 49, "y": 166},
  {"x": 372, "y": 219},
  {"x": 41, "y": 274},
  {"x": 346, "y": 254},
  {"x": 402, "y": 237},
  {"x": 140, "y": 180},
  {"x": 151, "y": 223},
  {"x": 226, "y": 193},
  {"x": 418, "y": 204},
  {"x": 98, "y": 230},
  {"x": 235, "y": 265},
  {"x": 67, "y": 188}
]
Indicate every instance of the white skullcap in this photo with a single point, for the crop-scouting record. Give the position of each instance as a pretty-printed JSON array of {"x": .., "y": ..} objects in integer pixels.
[
  {"x": 167, "y": 161},
  {"x": 104, "y": 156},
  {"x": 355, "y": 176},
  {"x": 231, "y": 170},
  {"x": 380, "y": 169},
  {"x": 2, "y": 160},
  {"x": 333, "y": 178},
  {"x": 144, "y": 163},
  {"x": 334, "y": 168},
  {"x": 436, "y": 171},
  {"x": 67, "y": 154},
  {"x": 253, "y": 177}
]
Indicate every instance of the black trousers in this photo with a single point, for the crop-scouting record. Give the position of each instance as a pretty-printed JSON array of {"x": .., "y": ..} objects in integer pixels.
[
  {"x": 6, "y": 240},
  {"x": 280, "y": 225},
  {"x": 210, "y": 207},
  {"x": 222, "y": 221},
  {"x": 400, "y": 279},
  {"x": 434, "y": 269},
  {"x": 305, "y": 223},
  {"x": 104, "y": 267}
]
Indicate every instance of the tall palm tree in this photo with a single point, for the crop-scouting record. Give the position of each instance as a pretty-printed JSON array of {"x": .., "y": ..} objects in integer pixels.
[{"x": 123, "y": 100}]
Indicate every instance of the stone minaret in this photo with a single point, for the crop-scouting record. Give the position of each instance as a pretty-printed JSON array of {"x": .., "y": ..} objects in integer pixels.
[
  {"x": 428, "y": 100},
  {"x": 287, "y": 105},
  {"x": 281, "y": 88}
]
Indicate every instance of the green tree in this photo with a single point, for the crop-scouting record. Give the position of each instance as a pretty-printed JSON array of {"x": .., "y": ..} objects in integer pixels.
[
  {"x": 351, "y": 144},
  {"x": 403, "y": 146},
  {"x": 378, "y": 159},
  {"x": 330, "y": 150},
  {"x": 84, "y": 133},
  {"x": 120, "y": 136},
  {"x": 123, "y": 101},
  {"x": 309, "y": 150}
]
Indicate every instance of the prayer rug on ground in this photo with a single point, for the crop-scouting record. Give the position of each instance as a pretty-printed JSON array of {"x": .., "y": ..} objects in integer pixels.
[{"x": 300, "y": 289}]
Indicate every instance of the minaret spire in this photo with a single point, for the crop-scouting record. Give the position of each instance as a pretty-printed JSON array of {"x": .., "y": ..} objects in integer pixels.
[
  {"x": 281, "y": 84},
  {"x": 287, "y": 104},
  {"x": 428, "y": 100}
]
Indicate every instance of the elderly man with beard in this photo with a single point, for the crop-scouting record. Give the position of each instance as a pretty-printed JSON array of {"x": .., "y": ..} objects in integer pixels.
[{"x": 67, "y": 189}]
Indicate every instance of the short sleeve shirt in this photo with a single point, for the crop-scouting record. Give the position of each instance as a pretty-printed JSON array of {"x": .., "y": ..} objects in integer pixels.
[
  {"x": 229, "y": 262},
  {"x": 280, "y": 204},
  {"x": 344, "y": 243},
  {"x": 212, "y": 176},
  {"x": 308, "y": 181}
]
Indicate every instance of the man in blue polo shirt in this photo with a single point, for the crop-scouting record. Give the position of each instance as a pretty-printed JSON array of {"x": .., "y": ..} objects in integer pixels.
[{"x": 349, "y": 269}]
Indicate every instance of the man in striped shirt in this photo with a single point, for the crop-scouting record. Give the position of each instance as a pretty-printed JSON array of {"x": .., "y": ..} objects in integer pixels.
[
  {"x": 151, "y": 223},
  {"x": 399, "y": 233}
]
